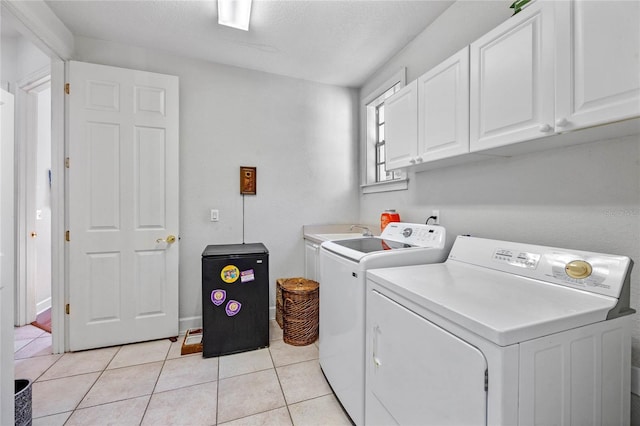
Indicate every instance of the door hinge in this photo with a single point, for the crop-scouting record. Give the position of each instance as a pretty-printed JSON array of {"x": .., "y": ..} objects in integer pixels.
[
  {"x": 66, "y": 162},
  {"x": 66, "y": 88},
  {"x": 67, "y": 236},
  {"x": 66, "y": 309},
  {"x": 486, "y": 380}
]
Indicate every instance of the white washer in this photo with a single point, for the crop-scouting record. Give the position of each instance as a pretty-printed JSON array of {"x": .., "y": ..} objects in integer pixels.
[
  {"x": 502, "y": 334},
  {"x": 343, "y": 266}
]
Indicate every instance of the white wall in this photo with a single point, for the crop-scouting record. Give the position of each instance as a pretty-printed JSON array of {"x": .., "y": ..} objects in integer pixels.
[
  {"x": 9, "y": 50},
  {"x": 584, "y": 197},
  {"x": 299, "y": 135},
  {"x": 19, "y": 59}
]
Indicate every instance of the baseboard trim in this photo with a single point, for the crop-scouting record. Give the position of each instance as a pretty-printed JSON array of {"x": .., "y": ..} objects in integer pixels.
[
  {"x": 635, "y": 380},
  {"x": 189, "y": 322},
  {"x": 43, "y": 305}
]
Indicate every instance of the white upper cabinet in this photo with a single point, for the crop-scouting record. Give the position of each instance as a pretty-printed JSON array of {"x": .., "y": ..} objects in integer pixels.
[
  {"x": 443, "y": 109},
  {"x": 512, "y": 80},
  {"x": 401, "y": 127},
  {"x": 597, "y": 62},
  {"x": 553, "y": 68}
]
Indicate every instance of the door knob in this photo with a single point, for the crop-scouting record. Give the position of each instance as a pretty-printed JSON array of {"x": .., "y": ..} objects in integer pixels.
[
  {"x": 544, "y": 128},
  {"x": 169, "y": 240},
  {"x": 34, "y": 234},
  {"x": 563, "y": 122}
]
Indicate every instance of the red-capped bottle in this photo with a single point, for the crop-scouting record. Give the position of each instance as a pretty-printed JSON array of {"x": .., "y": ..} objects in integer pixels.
[{"x": 388, "y": 216}]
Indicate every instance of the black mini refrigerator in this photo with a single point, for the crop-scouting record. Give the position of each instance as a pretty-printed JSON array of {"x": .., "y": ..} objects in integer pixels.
[{"x": 235, "y": 298}]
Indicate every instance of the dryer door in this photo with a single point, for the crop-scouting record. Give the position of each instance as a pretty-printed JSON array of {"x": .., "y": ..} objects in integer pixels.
[{"x": 418, "y": 373}]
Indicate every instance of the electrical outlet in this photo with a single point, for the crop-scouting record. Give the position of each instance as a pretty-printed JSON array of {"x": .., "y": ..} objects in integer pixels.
[
  {"x": 215, "y": 215},
  {"x": 436, "y": 213}
]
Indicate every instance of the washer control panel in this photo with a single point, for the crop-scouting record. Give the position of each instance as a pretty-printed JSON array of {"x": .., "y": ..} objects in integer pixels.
[{"x": 415, "y": 234}]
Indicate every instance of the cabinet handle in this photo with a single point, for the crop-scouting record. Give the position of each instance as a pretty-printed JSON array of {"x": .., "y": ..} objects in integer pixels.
[
  {"x": 412, "y": 161},
  {"x": 562, "y": 122},
  {"x": 420, "y": 159},
  {"x": 544, "y": 128}
]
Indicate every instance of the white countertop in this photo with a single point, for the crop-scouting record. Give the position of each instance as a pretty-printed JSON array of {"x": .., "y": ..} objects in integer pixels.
[{"x": 320, "y": 233}]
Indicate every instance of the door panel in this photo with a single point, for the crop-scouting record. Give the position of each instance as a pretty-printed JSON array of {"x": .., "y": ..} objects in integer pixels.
[
  {"x": 401, "y": 127},
  {"x": 443, "y": 105},
  {"x": 512, "y": 80},
  {"x": 595, "y": 82},
  {"x": 104, "y": 158},
  {"x": 104, "y": 287},
  {"x": 419, "y": 373},
  {"x": 123, "y": 203},
  {"x": 150, "y": 169}
]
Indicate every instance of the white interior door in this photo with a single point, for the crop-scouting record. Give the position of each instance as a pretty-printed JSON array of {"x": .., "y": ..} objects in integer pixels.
[
  {"x": 122, "y": 206},
  {"x": 7, "y": 258}
]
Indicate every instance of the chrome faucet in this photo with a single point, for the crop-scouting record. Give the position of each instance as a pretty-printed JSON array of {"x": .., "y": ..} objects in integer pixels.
[{"x": 366, "y": 233}]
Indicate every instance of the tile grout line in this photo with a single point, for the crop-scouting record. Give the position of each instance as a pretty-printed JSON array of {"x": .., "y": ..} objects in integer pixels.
[
  {"x": 286, "y": 404},
  {"x": 164, "y": 361},
  {"x": 90, "y": 387}
]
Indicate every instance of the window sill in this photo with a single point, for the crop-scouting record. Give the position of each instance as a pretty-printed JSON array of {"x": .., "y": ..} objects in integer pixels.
[{"x": 392, "y": 185}]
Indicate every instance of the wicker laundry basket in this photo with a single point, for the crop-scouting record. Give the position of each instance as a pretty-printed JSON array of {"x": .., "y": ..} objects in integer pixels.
[
  {"x": 279, "y": 282},
  {"x": 300, "y": 311}
]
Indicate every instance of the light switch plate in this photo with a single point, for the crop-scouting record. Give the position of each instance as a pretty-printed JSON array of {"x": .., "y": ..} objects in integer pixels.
[{"x": 215, "y": 215}]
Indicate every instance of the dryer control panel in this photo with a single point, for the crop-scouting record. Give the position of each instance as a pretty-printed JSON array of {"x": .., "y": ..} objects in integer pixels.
[{"x": 599, "y": 273}]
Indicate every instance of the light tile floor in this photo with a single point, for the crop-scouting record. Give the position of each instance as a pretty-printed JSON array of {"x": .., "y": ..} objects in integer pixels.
[{"x": 152, "y": 384}]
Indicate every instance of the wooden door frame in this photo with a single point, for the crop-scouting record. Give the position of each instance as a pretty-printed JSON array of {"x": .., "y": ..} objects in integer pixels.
[{"x": 41, "y": 26}]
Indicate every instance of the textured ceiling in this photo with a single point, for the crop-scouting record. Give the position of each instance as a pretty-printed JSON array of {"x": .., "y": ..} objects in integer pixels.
[{"x": 328, "y": 41}]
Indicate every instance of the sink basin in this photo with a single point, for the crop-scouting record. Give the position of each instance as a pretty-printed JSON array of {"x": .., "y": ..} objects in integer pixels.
[{"x": 340, "y": 236}]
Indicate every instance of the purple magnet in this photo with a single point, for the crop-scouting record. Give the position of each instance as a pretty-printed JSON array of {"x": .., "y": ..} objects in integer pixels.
[
  {"x": 218, "y": 297},
  {"x": 233, "y": 307}
]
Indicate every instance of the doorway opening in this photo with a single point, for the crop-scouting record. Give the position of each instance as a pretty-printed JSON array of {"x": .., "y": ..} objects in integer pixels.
[
  {"x": 27, "y": 74},
  {"x": 37, "y": 192}
]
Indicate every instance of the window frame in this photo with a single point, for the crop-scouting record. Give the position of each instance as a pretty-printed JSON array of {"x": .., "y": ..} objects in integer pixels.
[{"x": 370, "y": 139}]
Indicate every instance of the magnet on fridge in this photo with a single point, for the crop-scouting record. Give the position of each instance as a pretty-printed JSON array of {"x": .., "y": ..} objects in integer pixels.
[
  {"x": 246, "y": 276},
  {"x": 233, "y": 307},
  {"x": 230, "y": 274},
  {"x": 218, "y": 297}
]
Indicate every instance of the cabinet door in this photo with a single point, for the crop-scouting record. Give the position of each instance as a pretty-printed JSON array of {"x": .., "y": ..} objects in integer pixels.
[
  {"x": 443, "y": 109},
  {"x": 401, "y": 127},
  {"x": 512, "y": 80},
  {"x": 598, "y": 62},
  {"x": 311, "y": 252}
]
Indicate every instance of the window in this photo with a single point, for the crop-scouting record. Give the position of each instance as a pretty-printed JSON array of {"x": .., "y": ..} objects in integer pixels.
[
  {"x": 382, "y": 174},
  {"x": 375, "y": 176}
]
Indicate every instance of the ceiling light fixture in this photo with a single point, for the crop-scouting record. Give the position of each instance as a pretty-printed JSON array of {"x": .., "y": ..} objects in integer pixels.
[{"x": 234, "y": 13}]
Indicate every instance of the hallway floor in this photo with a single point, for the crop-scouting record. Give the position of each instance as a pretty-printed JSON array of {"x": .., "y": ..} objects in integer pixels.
[{"x": 152, "y": 384}]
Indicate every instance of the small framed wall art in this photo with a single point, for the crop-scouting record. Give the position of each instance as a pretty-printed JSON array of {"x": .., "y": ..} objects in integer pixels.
[{"x": 247, "y": 180}]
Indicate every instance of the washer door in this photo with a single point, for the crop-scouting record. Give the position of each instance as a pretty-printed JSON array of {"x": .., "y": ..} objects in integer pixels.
[{"x": 418, "y": 373}]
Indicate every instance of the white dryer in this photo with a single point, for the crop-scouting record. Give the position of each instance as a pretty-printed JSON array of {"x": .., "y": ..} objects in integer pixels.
[{"x": 501, "y": 334}]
